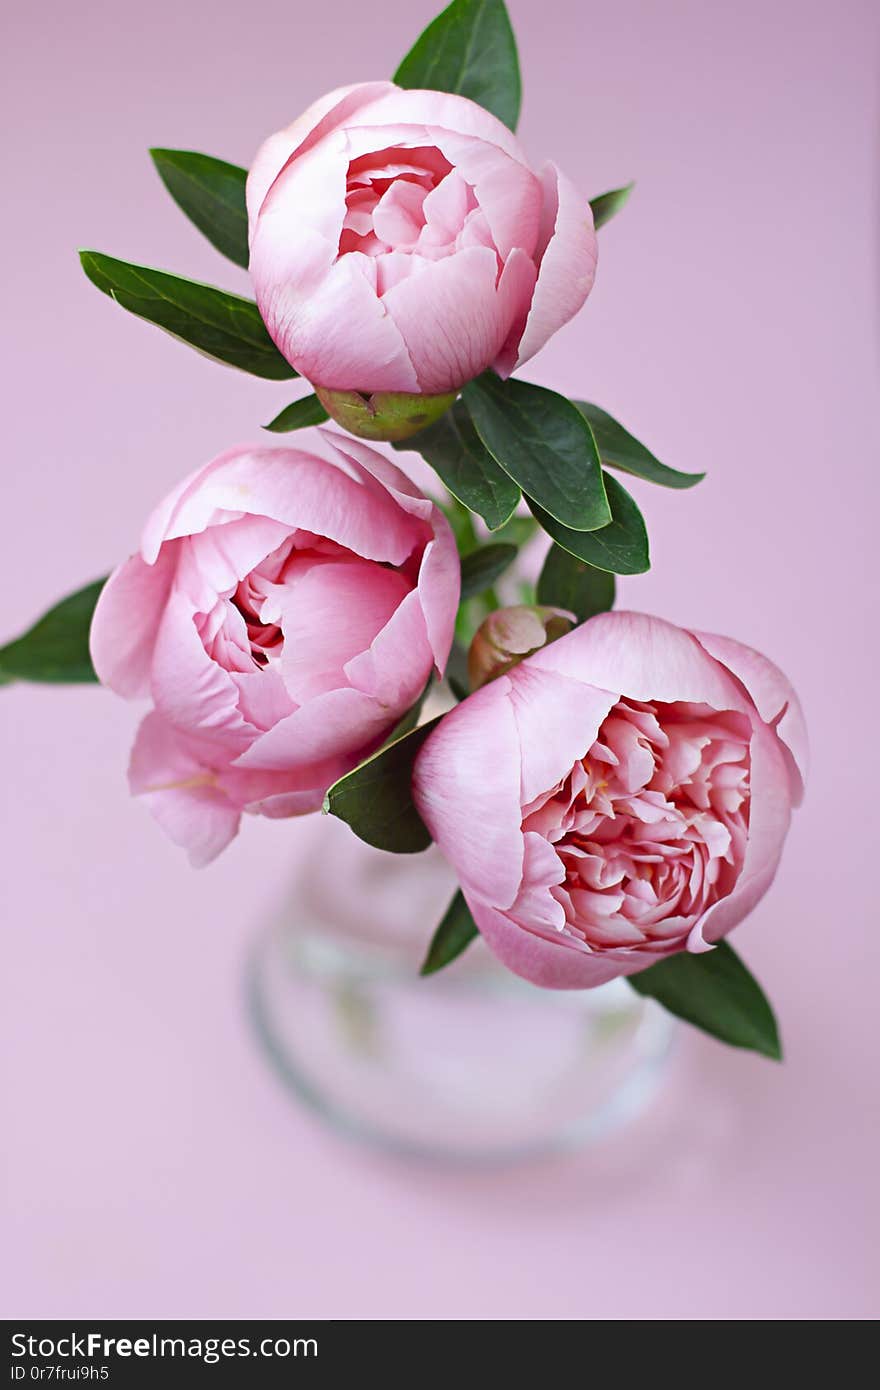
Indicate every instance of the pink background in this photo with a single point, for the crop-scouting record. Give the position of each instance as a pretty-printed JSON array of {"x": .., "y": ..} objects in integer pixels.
[{"x": 156, "y": 1168}]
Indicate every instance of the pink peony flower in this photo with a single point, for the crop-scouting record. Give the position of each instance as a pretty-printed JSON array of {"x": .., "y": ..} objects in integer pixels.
[
  {"x": 284, "y": 612},
  {"x": 401, "y": 243},
  {"x": 621, "y": 795}
]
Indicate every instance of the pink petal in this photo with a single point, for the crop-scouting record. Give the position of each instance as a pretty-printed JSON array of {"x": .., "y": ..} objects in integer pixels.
[
  {"x": 561, "y": 963},
  {"x": 126, "y": 621},
  {"x": 535, "y": 905},
  {"x": 466, "y": 789},
  {"x": 509, "y": 194},
  {"x": 444, "y": 210},
  {"x": 372, "y": 467},
  {"x": 774, "y": 697},
  {"x": 284, "y": 805},
  {"x": 340, "y": 725},
  {"x": 439, "y": 580},
  {"x": 221, "y": 555},
  {"x": 395, "y": 667},
  {"x": 331, "y": 613},
  {"x": 160, "y": 521},
  {"x": 310, "y": 319},
  {"x": 190, "y": 689},
  {"x": 439, "y": 589},
  {"x": 567, "y": 266},
  {"x": 291, "y": 250},
  {"x": 300, "y": 490},
  {"x": 317, "y": 120},
  {"x": 397, "y": 217},
  {"x": 426, "y": 108},
  {"x": 557, "y": 720},
  {"x": 181, "y": 791},
  {"x": 644, "y": 658},
  {"x": 279, "y": 794},
  {"x": 769, "y": 818},
  {"x": 455, "y": 316}
]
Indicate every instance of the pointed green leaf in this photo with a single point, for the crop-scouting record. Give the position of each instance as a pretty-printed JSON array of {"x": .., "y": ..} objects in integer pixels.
[
  {"x": 482, "y": 567},
  {"x": 220, "y": 325},
  {"x": 566, "y": 582},
  {"x": 376, "y": 798},
  {"x": 544, "y": 443},
  {"x": 608, "y": 205},
  {"x": 620, "y": 547},
  {"x": 716, "y": 992},
  {"x": 456, "y": 931},
  {"x": 211, "y": 193},
  {"x": 619, "y": 449},
  {"x": 456, "y": 453},
  {"x": 469, "y": 49},
  {"x": 56, "y": 648},
  {"x": 298, "y": 415}
]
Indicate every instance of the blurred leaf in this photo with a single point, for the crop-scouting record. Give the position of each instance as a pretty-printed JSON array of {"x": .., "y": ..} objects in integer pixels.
[
  {"x": 211, "y": 193},
  {"x": 518, "y": 531},
  {"x": 608, "y": 205},
  {"x": 462, "y": 522},
  {"x": 456, "y": 673},
  {"x": 454, "y": 450},
  {"x": 480, "y": 568},
  {"x": 715, "y": 991},
  {"x": 298, "y": 415},
  {"x": 620, "y": 547},
  {"x": 619, "y": 449},
  {"x": 469, "y": 49},
  {"x": 456, "y": 931},
  {"x": 544, "y": 443},
  {"x": 567, "y": 582},
  {"x": 220, "y": 325},
  {"x": 376, "y": 798},
  {"x": 56, "y": 648}
]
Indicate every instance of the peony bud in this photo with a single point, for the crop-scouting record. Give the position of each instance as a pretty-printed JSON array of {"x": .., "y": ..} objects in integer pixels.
[
  {"x": 401, "y": 242},
  {"x": 383, "y": 415},
  {"x": 510, "y": 634}
]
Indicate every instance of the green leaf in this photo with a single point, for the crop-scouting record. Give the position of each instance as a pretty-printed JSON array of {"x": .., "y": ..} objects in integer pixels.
[
  {"x": 376, "y": 798},
  {"x": 608, "y": 205},
  {"x": 211, "y": 193},
  {"x": 715, "y": 991},
  {"x": 456, "y": 673},
  {"x": 220, "y": 325},
  {"x": 454, "y": 450},
  {"x": 455, "y": 932},
  {"x": 566, "y": 582},
  {"x": 469, "y": 49},
  {"x": 298, "y": 415},
  {"x": 544, "y": 443},
  {"x": 620, "y": 547},
  {"x": 482, "y": 567},
  {"x": 56, "y": 648},
  {"x": 619, "y": 449}
]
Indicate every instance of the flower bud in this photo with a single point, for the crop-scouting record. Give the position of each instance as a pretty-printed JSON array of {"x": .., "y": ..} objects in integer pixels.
[
  {"x": 509, "y": 635},
  {"x": 388, "y": 415},
  {"x": 401, "y": 242}
]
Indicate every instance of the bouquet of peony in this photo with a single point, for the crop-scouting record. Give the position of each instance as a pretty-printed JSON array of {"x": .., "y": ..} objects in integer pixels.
[{"x": 613, "y": 791}]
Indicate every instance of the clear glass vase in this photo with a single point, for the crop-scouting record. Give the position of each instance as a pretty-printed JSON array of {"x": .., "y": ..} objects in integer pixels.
[{"x": 469, "y": 1065}]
